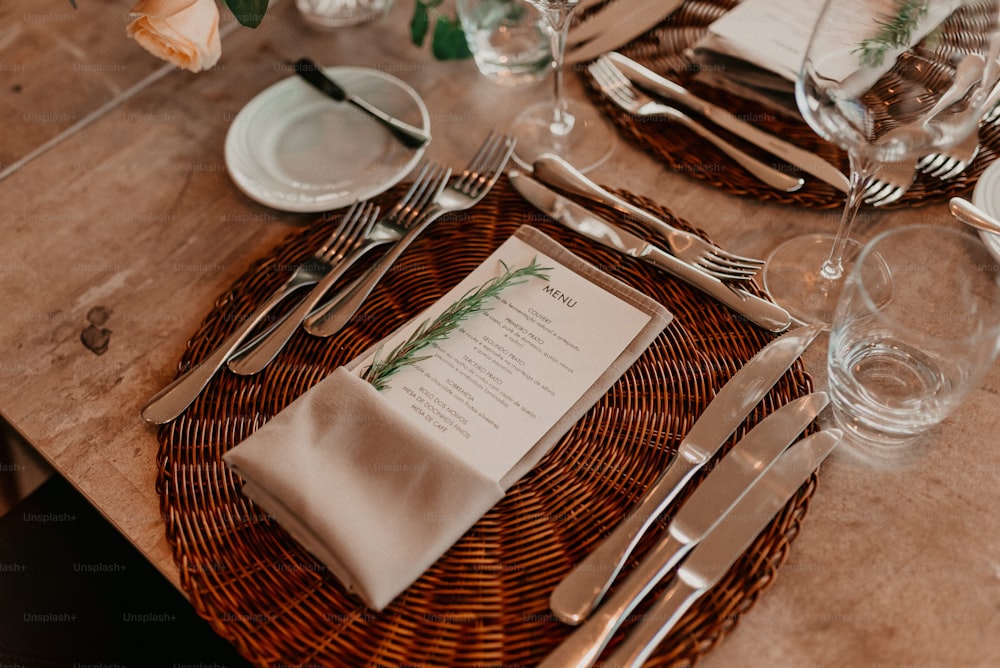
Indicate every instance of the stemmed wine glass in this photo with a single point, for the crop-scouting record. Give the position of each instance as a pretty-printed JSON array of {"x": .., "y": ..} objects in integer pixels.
[
  {"x": 888, "y": 81},
  {"x": 566, "y": 126}
]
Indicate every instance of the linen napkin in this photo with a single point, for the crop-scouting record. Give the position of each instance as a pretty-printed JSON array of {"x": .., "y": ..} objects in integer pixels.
[
  {"x": 756, "y": 50},
  {"x": 376, "y": 500}
]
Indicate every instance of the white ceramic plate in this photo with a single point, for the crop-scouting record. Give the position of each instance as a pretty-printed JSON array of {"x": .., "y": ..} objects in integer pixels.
[
  {"x": 986, "y": 196},
  {"x": 295, "y": 149}
]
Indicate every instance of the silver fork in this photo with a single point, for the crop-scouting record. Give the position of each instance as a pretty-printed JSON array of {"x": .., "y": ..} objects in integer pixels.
[
  {"x": 173, "y": 399},
  {"x": 464, "y": 191},
  {"x": 390, "y": 228},
  {"x": 950, "y": 162},
  {"x": 621, "y": 92},
  {"x": 890, "y": 182},
  {"x": 683, "y": 245}
]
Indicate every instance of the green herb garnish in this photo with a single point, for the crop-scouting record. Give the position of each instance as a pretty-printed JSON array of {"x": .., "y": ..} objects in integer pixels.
[
  {"x": 427, "y": 333},
  {"x": 894, "y": 33}
]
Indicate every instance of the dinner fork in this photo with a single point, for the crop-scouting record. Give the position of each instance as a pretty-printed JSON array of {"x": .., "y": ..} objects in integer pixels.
[
  {"x": 461, "y": 193},
  {"x": 683, "y": 245},
  {"x": 949, "y": 163},
  {"x": 387, "y": 229},
  {"x": 890, "y": 182},
  {"x": 173, "y": 399},
  {"x": 623, "y": 94}
]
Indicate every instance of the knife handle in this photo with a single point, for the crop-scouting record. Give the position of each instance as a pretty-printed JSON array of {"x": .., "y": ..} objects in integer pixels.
[
  {"x": 759, "y": 311},
  {"x": 578, "y": 594},
  {"x": 556, "y": 171},
  {"x": 656, "y": 624},
  {"x": 585, "y": 644}
]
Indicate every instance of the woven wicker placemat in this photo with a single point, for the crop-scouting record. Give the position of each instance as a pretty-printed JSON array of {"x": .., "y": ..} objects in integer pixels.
[
  {"x": 663, "y": 50},
  {"x": 485, "y": 601}
]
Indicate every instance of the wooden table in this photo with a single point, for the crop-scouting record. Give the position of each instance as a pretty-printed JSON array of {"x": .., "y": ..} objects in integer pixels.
[{"x": 131, "y": 225}]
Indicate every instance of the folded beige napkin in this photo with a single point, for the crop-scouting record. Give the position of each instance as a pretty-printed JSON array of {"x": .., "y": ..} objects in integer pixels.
[{"x": 346, "y": 474}]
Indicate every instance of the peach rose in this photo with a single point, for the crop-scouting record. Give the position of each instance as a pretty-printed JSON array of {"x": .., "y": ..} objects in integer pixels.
[{"x": 182, "y": 32}]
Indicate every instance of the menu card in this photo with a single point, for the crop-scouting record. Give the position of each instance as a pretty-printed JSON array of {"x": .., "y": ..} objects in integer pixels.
[{"x": 494, "y": 387}]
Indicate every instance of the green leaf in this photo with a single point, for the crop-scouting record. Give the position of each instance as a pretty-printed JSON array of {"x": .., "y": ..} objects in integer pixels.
[
  {"x": 419, "y": 23},
  {"x": 248, "y": 12},
  {"x": 449, "y": 40}
]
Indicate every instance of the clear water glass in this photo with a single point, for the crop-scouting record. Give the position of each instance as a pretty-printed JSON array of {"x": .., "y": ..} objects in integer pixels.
[
  {"x": 507, "y": 40},
  {"x": 916, "y": 328},
  {"x": 887, "y": 82}
]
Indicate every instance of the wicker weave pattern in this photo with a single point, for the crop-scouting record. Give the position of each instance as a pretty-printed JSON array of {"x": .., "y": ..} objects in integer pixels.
[
  {"x": 485, "y": 601},
  {"x": 663, "y": 49}
]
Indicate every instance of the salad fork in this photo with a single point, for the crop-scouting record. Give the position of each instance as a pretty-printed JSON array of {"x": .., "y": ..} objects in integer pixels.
[
  {"x": 390, "y": 228},
  {"x": 174, "y": 399},
  {"x": 622, "y": 93},
  {"x": 461, "y": 193}
]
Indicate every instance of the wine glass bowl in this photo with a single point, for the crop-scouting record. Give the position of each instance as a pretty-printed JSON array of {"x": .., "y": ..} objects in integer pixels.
[
  {"x": 885, "y": 88},
  {"x": 565, "y": 126}
]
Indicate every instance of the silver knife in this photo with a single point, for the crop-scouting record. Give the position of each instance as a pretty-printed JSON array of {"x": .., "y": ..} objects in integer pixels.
[
  {"x": 584, "y": 646},
  {"x": 409, "y": 135},
  {"x": 669, "y": 90},
  {"x": 578, "y": 594},
  {"x": 761, "y": 312},
  {"x": 716, "y": 554},
  {"x": 616, "y": 24}
]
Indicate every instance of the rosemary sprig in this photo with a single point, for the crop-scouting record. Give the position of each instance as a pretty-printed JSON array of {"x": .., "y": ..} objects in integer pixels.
[
  {"x": 892, "y": 34},
  {"x": 427, "y": 333}
]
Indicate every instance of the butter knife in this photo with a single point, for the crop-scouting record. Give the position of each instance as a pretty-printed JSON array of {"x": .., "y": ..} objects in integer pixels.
[
  {"x": 701, "y": 512},
  {"x": 761, "y": 312},
  {"x": 716, "y": 554},
  {"x": 580, "y": 591},
  {"x": 410, "y": 136},
  {"x": 615, "y": 24},
  {"x": 669, "y": 90}
]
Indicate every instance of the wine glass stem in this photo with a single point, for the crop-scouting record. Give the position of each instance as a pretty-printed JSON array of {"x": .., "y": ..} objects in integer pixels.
[
  {"x": 862, "y": 170},
  {"x": 557, "y": 22}
]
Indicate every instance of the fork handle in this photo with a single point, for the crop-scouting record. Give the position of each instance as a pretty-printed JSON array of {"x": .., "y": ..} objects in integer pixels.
[
  {"x": 331, "y": 318},
  {"x": 252, "y": 360},
  {"x": 174, "y": 399}
]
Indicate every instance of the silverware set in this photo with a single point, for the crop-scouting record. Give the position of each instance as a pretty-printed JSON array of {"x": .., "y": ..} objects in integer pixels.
[
  {"x": 713, "y": 526},
  {"x": 432, "y": 195},
  {"x": 642, "y": 92}
]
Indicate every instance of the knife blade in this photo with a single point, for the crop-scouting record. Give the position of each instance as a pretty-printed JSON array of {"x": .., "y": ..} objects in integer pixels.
[
  {"x": 615, "y": 24},
  {"x": 585, "y": 645},
  {"x": 761, "y": 312},
  {"x": 669, "y": 90},
  {"x": 715, "y": 555},
  {"x": 409, "y": 135},
  {"x": 579, "y": 593}
]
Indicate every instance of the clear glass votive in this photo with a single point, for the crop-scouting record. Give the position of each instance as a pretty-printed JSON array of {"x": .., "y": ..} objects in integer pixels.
[
  {"x": 916, "y": 328},
  {"x": 341, "y": 13},
  {"x": 507, "y": 40}
]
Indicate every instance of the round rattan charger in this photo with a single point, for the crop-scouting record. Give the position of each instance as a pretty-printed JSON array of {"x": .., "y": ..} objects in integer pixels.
[
  {"x": 485, "y": 602},
  {"x": 665, "y": 50}
]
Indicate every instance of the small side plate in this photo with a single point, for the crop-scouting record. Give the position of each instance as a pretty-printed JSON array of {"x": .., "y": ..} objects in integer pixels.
[
  {"x": 986, "y": 196},
  {"x": 294, "y": 149}
]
